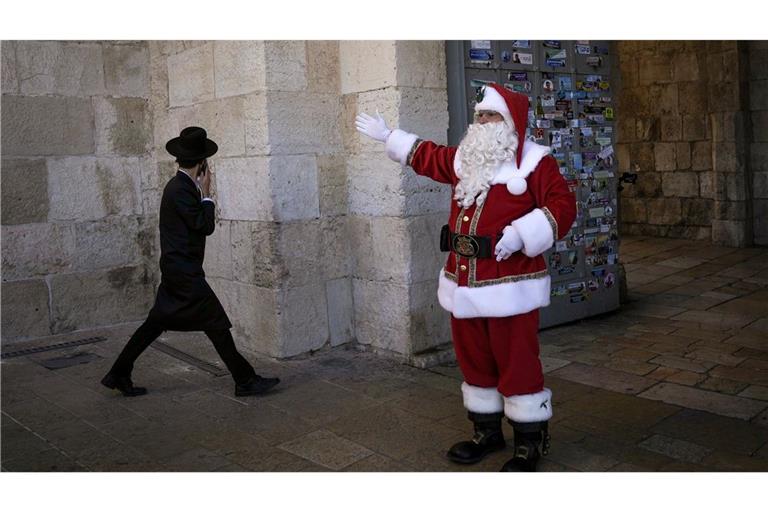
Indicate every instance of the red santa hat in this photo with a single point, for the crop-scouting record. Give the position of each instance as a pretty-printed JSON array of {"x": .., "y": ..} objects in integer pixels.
[{"x": 512, "y": 106}]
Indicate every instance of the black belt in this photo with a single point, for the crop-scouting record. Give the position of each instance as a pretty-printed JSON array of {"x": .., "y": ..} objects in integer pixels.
[{"x": 468, "y": 246}]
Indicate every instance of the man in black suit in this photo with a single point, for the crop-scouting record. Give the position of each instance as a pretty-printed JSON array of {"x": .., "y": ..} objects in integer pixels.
[{"x": 184, "y": 300}]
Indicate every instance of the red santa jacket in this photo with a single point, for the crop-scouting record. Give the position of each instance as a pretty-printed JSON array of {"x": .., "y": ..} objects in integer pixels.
[{"x": 542, "y": 213}]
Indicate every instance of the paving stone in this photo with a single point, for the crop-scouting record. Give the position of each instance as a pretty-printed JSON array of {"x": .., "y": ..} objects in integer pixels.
[
  {"x": 729, "y": 387},
  {"x": 575, "y": 456},
  {"x": 47, "y": 461},
  {"x": 756, "y": 392},
  {"x": 683, "y": 363},
  {"x": 633, "y": 355},
  {"x": 604, "y": 378},
  {"x": 550, "y": 364},
  {"x": 749, "y": 375},
  {"x": 724, "y": 461},
  {"x": 735, "y": 407},
  {"x": 662, "y": 373},
  {"x": 378, "y": 463},
  {"x": 198, "y": 459},
  {"x": 686, "y": 378},
  {"x": 721, "y": 321},
  {"x": 713, "y": 431},
  {"x": 675, "y": 448},
  {"x": 632, "y": 367},
  {"x": 327, "y": 449}
]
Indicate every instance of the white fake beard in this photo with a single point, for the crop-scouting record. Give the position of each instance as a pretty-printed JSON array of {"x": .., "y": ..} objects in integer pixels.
[{"x": 482, "y": 149}]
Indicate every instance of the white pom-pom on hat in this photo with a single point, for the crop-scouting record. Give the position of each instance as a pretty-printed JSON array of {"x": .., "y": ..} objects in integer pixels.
[{"x": 517, "y": 186}]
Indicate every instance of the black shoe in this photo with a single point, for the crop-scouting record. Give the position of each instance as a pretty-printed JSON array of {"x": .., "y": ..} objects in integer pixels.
[
  {"x": 256, "y": 386},
  {"x": 122, "y": 384},
  {"x": 528, "y": 437},
  {"x": 488, "y": 438}
]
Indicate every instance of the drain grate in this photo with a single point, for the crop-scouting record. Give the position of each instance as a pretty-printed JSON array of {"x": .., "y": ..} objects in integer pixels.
[
  {"x": 183, "y": 356},
  {"x": 48, "y": 348}
]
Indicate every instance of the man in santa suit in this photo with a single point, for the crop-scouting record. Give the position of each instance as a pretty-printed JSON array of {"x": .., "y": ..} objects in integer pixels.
[{"x": 510, "y": 205}]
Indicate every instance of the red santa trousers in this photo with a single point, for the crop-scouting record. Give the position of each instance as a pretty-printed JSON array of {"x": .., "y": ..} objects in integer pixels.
[{"x": 500, "y": 353}]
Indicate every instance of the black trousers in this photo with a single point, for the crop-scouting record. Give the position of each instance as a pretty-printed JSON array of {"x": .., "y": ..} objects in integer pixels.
[{"x": 241, "y": 370}]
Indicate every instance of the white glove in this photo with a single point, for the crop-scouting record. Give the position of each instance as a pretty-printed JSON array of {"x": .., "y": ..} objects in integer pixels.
[
  {"x": 510, "y": 243},
  {"x": 376, "y": 128}
]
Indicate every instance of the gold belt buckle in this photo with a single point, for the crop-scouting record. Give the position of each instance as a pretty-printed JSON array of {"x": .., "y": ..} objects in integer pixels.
[{"x": 466, "y": 246}]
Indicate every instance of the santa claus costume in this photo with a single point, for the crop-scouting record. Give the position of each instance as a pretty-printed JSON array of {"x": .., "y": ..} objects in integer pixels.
[{"x": 511, "y": 205}]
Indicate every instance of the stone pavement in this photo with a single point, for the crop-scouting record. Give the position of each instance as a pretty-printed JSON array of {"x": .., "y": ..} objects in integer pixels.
[{"x": 677, "y": 380}]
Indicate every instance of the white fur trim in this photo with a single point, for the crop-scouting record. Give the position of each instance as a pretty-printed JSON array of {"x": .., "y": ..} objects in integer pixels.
[
  {"x": 496, "y": 300},
  {"x": 399, "y": 144},
  {"x": 482, "y": 400},
  {"x": 532, "y": 155},
  {"x": 536, "y": 232},
  {"x": 517, "y": 186},
  {"x": 529, "y": 408},
  {"x": 492, "y": 100}
]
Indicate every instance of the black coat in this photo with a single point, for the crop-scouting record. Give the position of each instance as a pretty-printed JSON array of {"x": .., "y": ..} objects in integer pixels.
[{"x": 185, "y": 301}]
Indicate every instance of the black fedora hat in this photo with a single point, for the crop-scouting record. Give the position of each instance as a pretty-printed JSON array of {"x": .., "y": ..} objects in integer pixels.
[{"x": 192, "y": 144}]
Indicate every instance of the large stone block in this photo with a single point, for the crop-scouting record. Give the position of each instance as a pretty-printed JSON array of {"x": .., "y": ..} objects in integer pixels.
[
  {"x": 294, "y": 187},
  {"x": 112, "y": 242},
  {"x": 735, "y": 187},
  {"x": 303, "y": 123},
  {"x": 664, "y": 99},
  {"x": 256, "y": 125},
  {"x": 664, "y": 156},
  {"x": 126, "y": 70},
  {"x": 664, "y": 211},
  {"x": 420, "y": 64},
  {"x": 190, "y": 76},
  {"x": 123, "y": 126},
  {"x": 223, "y": 120},
  {"x": 303, "y": 320},
  {"x": 649, "y": 184},
  {"x": 239, "y": 67},
  {"x": 25, "y": 309},
  {"x": 323, "y": 74},
  {"x": 758, "y": 58},
  {"x": 386, "y": 101},
  {"x": 731, "y": 233},
  {"x": 635, "y": 102},
  {"x": 314, "y": 251},
  {"x": 701, "y": 158},
  {"x": 285, "y": 65},
  {"x": 66, "y": 69},
  {"x": 424, "y": 250},
  {"x": 671, "y": 128},
  {"x": 218, "y": 251},
  {"x": 424, "y": 112},
  {"x": 158, "y": 79},
  {"x": 43, "y": 125},
  {"x": 695, "y": 127},
  {"x": 375, "y": 185},
  {"x": 727, "y": 126},
  {"x": 680, "y": 184},
  {"x": 760, "y": 126},
  {"x": 36, "y": 250},
  {"x": 759, "y": 157},
  {"x": 332, "y": 184},
  {"x": 634, "y": 210},
  {"x": 683, "y": 153},
  {"x": 382, "y": 248},
  {"x": 424, "y": 196},
  {"x": 9, "y": 79},
  {"x": 430, "y": 325},
  {"x": 648, "y": 129},
  {"x": 367, "y": 65},
  {"x": 725, "y": 157},
  {"x": 382, "y": 315},
  {"x": 697, "y": 212},
  {"x": 254, "y": 253},
  {"x": 88, "y": 188},
  {"x": 707, "y": 184},
  {"x": 723, "y": 96},
  {"x": 730, "y": 210},
  {"x": 24, "y": 191},
  {"x": 685, "y": 67},
  {"x": 243, "y": 190},
  {"x": 760, "y": 221},
  {"x": 104, "y": 297},
  {"x": 622, "y": 157},
  {"x": 341, "y": 311},
  {"x": 253, "y": 312},
  {"x": 760, "y": 185},
  {"x": 153, "y": 181},
  {"x": 654, "y": 69},
  {"x": 693, "y": 97}
]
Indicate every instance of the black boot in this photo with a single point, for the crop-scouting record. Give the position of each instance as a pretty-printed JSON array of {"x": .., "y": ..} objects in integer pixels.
[
  {"x": 528, "y": 437},
  {"x": 488, "y": 438}
]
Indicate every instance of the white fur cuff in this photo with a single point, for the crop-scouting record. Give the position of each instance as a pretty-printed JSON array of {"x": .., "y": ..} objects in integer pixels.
[
  {"x": 529, "y": 408},
  {"x": 399, "y": 144},
  {"x": 536, "y": 232},
  {"x": 482, "y": 400}
]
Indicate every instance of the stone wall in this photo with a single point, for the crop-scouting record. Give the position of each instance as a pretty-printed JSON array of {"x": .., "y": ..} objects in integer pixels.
[
  {"x": 685, "y": 127},
  {"x": 78, "y": 230},
  {"x": 395, "y": 215},
  {"x": 758, "y": 106}
]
